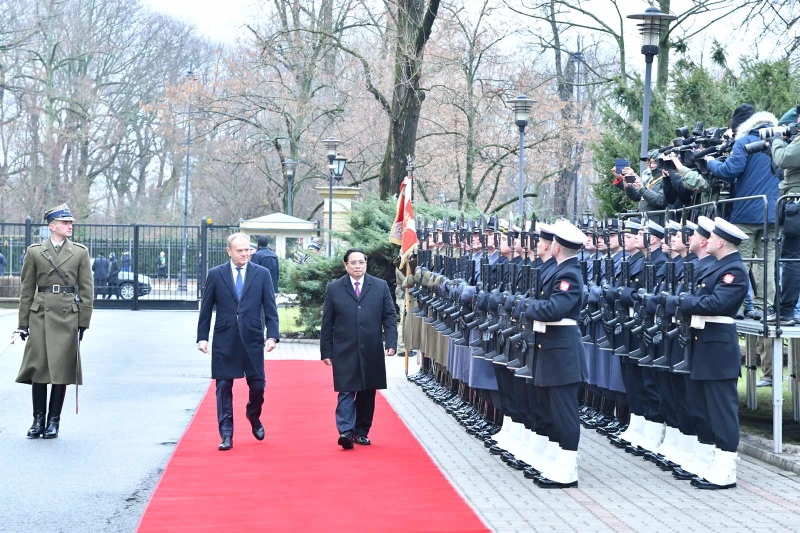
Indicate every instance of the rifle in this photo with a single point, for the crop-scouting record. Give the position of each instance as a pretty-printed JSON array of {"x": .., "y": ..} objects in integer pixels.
[
  {"x": 607, "y": 312},
  {"x": 623, "y": 323},
  {"x": 527, "y": 335},
  {"x": 662, "y": 337},
  {"x": 684, "y": 321},
  {"x": 646, "y": 318}
]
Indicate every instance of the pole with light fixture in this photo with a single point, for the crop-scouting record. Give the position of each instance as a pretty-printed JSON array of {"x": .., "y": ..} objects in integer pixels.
[
  {"x": 182, "y": 278},
  {"x": 653, "y": 22},
  {"x": 290, "y": 165},
  {"x": 522, "y": 108}
]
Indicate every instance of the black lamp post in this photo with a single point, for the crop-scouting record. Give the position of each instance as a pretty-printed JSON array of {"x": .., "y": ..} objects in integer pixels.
[
  {"x": 576, "y": 58},
  {"x": 335, "y": 171},
  {"x": 183, "y": 274},
  {"x": 289, "y": 165},
  {"x": 653, "y": 21},
  {"x": 522, "y": 108}
]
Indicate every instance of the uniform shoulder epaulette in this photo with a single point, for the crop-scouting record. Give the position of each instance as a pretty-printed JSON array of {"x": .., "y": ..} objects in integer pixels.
[
  {"x": 81, "y": 246},
  {"x": 34, "y": 245}
]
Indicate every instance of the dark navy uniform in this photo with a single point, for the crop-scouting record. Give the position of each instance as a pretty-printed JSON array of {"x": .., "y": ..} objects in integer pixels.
[
  {"x": 559, "y": 355},
  {"x": 721, "y": 289}
]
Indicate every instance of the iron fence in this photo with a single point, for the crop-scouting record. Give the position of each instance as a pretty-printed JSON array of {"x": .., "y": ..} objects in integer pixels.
[{"x": 155, "y": 265}]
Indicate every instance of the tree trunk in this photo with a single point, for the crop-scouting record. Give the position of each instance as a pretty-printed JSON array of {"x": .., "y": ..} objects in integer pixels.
[
  {"x": 662, "y": 74},
  {"x": 416, "y": 22}
]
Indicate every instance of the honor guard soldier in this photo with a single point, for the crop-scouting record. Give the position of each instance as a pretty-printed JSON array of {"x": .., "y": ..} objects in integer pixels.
[
  {"x": 559, "y": 355},
  {"x": 55, "y": 308},
  {"x": 715, "y": 367}
]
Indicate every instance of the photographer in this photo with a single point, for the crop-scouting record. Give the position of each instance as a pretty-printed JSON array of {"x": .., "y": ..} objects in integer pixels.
[
  {"x": 752, "y": 175},
  {"x": 676, "y": 193},
  {"x": 647, "y": 190},
  {"x": 787, "y": 157},
  {"x": 689, "y": 182}
]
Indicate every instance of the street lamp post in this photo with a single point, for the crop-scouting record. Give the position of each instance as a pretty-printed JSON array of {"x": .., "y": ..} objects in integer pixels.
[
  {"x": 576, "y": 58},
  {"x": 289, "y": 165},
  {"x": 653, "y": 21},
  {"x": 331, "y": 144},
  {"x": 336, "y": 172},
  {"x": 183, "y": 275},
  {"x": 522, "y": 108}
]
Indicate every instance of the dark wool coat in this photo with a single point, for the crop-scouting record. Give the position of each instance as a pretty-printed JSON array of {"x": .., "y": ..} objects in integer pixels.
[
  {"x": 238, "y": 347},
  {"x": 353, "y": 333}
]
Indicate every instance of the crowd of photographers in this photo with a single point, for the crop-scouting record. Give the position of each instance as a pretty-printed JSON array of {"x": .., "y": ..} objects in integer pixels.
[{"x": 758, "y": 155}]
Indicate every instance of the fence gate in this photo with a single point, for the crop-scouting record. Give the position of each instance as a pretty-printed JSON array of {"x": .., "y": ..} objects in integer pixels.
[{"x": 158, "y": 266}]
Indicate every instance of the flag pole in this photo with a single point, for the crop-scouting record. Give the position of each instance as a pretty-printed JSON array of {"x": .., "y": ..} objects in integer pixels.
[{"x": 406, "y": 311}]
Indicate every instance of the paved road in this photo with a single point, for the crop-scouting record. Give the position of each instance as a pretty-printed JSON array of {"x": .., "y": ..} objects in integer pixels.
[{"x": 143, "y": 381}]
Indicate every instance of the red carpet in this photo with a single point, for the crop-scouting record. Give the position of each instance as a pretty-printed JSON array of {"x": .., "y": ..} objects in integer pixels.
[{"x": 299, "y": 479}]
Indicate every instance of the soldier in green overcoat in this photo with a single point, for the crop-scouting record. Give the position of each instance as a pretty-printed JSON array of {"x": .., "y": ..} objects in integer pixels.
[{"x": 55, "y": 308}]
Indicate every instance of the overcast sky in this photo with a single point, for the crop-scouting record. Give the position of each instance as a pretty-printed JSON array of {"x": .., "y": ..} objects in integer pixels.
[{"x": 223, "y": 21}]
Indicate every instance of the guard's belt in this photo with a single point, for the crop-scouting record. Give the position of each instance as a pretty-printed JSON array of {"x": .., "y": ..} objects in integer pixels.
[
  {"x": 541, "y": 327},
  {"x": 57, "y": 289},
  {"x": 699, "y": 322}
]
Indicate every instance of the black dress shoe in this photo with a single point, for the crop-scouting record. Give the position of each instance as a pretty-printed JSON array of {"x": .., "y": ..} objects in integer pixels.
[
  {"x": 653, "y": 457},
  {"x": 37, "y": 429},
  {"x": 363, "y": 440},
  {"x": 701, "y": 483},
  {"x": 531, "y": 473},
  {"x": 545, "y": 483},
  {"x": 635, "y": 450},
  {"x": 680, "y": 473},
  {"x": 226, "y": 444},
  {"x": 258, "y": 429},
  {"x": 496, "y": 450},
  {"x": 488, "y": 443},
  {"x": 516, "y": 464},
  {"x": 346, "y": 440}
]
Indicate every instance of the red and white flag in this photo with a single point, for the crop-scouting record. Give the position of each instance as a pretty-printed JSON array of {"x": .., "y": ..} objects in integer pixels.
[{"x": 404, "y": 229}]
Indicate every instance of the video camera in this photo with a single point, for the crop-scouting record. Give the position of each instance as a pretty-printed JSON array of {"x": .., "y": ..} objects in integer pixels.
[
  {"x": 789, "y": 132},
  {"x": 692, "y": 146}
]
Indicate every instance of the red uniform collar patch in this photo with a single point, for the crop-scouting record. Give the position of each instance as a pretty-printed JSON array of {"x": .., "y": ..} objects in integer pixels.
[
  {"x": 727, "y": 278},
  {"x": 564, "y": 286}
]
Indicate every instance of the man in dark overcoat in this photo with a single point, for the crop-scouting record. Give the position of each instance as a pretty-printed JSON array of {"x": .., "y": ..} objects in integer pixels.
[
  {"x": 359, "y": 328},
  {"x": 244, "y": 298},
  {"x": 100, "y": 270}
]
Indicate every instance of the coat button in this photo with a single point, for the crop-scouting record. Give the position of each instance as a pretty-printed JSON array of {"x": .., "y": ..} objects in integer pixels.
[
  {"x": 63, "y": 310},
  {"x": 695, "y": 338},
  {"x": 540, "y": 346},
  {"x": 47, "y": 309},
  {"x": 359, "y": 307}
]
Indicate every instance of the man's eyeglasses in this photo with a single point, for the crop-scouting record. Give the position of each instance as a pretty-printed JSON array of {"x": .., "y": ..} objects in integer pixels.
[{"x": 357, "y": 263}]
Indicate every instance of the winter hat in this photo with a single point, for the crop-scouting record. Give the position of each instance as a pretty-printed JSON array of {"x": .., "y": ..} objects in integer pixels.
[
  {"x": 789, "y": 118},
  {"x": 742, "y": 113}
]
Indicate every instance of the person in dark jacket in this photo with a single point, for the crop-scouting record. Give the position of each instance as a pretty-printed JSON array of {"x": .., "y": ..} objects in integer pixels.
[
  {"x": 113, "y": 277},
  {"x": 752, "y": 175},
  {"x": 359, "y": 329},
  {"x": 100, "y": 269},
  {"x": 3, "y": 264},
  {"x": 126, "y": 261},
  {"x": 267, "y": 259}
]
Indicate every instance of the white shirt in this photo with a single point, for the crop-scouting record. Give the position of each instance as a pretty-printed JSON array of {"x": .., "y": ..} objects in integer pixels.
[
  {"x": 236, "y": 272},
  {"x": 360, "y": 284}
]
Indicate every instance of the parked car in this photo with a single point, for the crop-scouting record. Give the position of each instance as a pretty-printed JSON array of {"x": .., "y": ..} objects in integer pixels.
[{"x": 126, "y": 285}]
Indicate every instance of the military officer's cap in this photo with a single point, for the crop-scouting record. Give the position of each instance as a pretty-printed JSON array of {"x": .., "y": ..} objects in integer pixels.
[
  {"x": 674, "y": 227},
  {"x": 729, "y": 232},
  {"x": 705, "y": 226},
  {"x": 491, "y": 224},
  {"x": 503, "y": 228},
  {"x": 545, "y": 231},
  {"x": 689, "y": 228},
  {"x": 476, "y": 227},
  {"x": 655, "y": 229},
  {"x": 568, "y": 235},
  {"x": 611, "y": 224},
  {"x": 632, "y": 226},
  {"x": 60, "y": 212}
]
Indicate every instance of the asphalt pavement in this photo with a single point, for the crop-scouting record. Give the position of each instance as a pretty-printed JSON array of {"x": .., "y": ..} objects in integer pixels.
[{"x": 143, "y": 380}]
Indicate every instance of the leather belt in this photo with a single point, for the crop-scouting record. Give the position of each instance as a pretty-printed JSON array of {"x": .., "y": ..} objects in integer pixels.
[
  {"x": 57, "y": 289},
  {"x": 699, "y": 322},
  {"x": 541, "y": 327}
]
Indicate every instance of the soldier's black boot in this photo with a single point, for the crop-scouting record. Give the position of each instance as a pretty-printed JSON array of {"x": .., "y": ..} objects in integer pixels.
[
  {"x": 39, "y": 392},
  {"x": 57, "y": 394}
]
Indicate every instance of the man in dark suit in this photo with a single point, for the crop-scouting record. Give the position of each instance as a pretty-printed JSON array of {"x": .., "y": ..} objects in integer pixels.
[
  {"x": 245, "y": 300},
  {"x": 267, "y": 259},
  {"x": 357, "y": 315}
]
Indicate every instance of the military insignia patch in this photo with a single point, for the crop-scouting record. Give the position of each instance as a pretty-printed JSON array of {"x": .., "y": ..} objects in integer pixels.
[
  {"x": 564, "y": 286},
  {"x": 727, "y": 278}
]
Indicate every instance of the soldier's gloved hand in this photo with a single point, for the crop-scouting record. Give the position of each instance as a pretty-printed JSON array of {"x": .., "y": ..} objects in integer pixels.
[
  {"x": 23, "y": 332},
  {"x": 595, "y": 294},
  {"x": 80, "y": 333},
  {"x": 652, "y": 306},
  {"x": 627, "y": 297},
  {"x": 672, "y": 304}
]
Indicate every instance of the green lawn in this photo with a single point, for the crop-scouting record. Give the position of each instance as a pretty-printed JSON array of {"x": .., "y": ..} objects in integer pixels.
[
  {"x": 288, "y": 319},
  {"x": 760, "y": 421}
]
